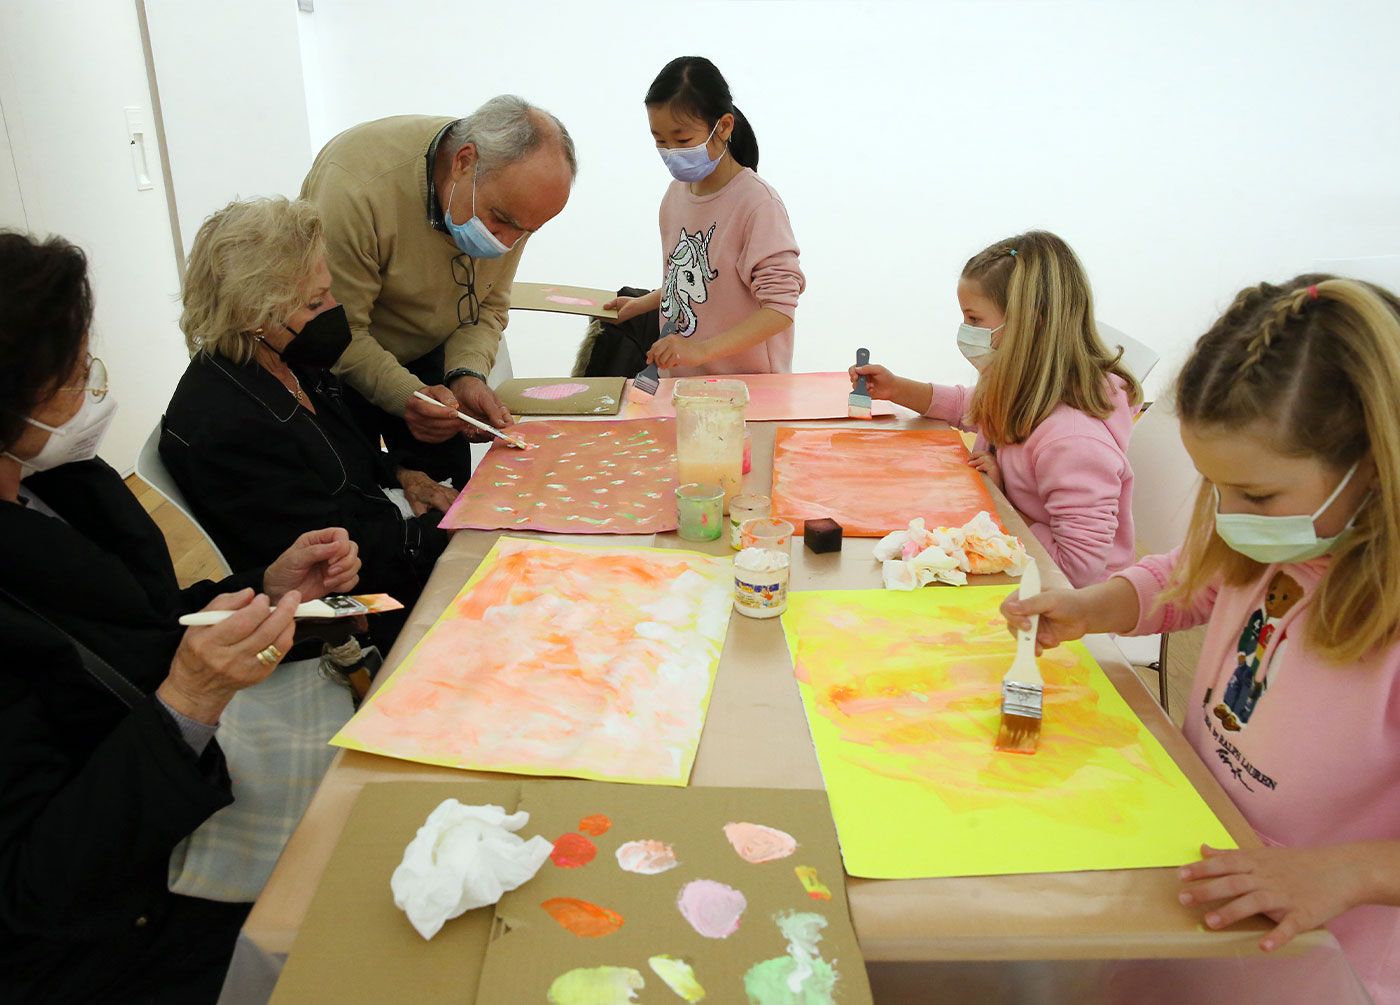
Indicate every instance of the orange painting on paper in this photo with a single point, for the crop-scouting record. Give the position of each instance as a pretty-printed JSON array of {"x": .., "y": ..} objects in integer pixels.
[
  {"x": 582, "y": 477},
  {"x": 873, "y": 482},
  {"x": 561, "y": 659},
  {"x": 773, "y": 397}
]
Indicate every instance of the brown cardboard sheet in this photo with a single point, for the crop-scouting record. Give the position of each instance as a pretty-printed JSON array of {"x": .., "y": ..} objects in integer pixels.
[
  {"x": 562, "y": 395},
  {"x": 560, "y": 299}
]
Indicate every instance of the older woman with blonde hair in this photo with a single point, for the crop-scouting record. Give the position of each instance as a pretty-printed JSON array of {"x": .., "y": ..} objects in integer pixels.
[{"x": 257, "y": 435}]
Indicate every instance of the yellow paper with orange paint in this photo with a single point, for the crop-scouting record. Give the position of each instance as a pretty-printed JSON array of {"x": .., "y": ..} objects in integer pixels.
[
  {"x": 903, "y": 698},
  {"x": 561, "y": 659}
]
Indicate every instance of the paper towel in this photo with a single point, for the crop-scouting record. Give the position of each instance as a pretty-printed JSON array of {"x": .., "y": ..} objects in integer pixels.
[{"x": 463, "y": 857}]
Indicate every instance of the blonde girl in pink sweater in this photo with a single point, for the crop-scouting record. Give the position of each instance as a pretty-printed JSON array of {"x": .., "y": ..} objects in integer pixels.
[
  {"x": 1288, "y": 407},
  {"x": 1053, "y": 407}
]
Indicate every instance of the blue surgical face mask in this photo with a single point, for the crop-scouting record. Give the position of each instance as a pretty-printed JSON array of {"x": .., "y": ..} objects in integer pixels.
[
  {"x": 1270, "y": 539},
  {"x": 472, "y": 237},
  {"x": 692, "y": 164},
  {"x": 976, "y": 344}
]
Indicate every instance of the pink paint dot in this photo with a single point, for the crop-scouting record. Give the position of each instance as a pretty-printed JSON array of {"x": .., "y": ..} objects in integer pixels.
[
  {"x": 553, "y": 392},
  {"x": 571, "y": 301}
]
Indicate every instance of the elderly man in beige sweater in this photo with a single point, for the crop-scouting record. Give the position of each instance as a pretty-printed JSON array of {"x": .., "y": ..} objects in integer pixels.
[{"x": 425, "y": 220}]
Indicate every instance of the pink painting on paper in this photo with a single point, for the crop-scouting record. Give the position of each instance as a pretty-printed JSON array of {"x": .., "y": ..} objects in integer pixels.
[
  {"x": 773, "y": 397},
  {"x": 553, "y": 392},
  {"x": 585, "y": 477},
  {"x": 561, "y": 659}
]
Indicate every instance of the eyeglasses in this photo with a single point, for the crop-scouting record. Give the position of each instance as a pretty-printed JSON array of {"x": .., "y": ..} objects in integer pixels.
[
  {"x": 464, "y": 274},
  {"x": 94, "y": 379}
]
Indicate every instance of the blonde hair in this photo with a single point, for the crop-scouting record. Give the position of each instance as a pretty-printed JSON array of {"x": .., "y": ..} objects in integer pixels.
[
  {"x": 1050, "y": 351},
  {"x": 1317, "y": 358},
  {"x": 251, "y": 266}
]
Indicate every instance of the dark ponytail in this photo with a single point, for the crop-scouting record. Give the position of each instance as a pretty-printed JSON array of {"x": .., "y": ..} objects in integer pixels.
[{"x": 693, "y": 86}]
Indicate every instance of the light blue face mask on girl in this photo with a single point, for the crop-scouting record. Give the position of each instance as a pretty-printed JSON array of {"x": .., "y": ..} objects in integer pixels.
[
  {"x": 692, "y": 164},
  {"x": 976, "y": 344},
  {"x": 472, "y": 238},
  {"x": 1270, "y": 539}
]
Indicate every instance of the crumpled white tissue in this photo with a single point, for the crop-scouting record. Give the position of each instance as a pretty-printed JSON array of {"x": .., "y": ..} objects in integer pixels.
[
  {"x": 918, "y": 556},
  {"x": 462, "y": 858}
]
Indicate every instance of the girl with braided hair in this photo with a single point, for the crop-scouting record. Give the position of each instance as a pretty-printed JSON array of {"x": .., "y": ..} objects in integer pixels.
[
  {"x": 1053, "y": 407},
  {"x": 1288, "y": 409}
]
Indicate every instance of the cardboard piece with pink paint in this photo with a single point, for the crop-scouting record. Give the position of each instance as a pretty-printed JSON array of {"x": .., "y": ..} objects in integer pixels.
[
  {"x": 562, "y": 395},
  {"x": 560, "y": 299},
  {"x": 751, "y": 897}
]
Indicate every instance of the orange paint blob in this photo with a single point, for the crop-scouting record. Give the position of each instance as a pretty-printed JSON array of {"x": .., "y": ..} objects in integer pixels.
[
  {"x": 595, "y": 824},
  {"x": 584, "y": 919},
  {"x": 572, "y": 851}
]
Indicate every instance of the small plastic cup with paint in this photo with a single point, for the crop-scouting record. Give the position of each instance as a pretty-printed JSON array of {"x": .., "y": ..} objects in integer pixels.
[
  {"x": 767, "y": 532},
  {"x": 742, "y": 508},
  {"x": 700, "y": 511}
]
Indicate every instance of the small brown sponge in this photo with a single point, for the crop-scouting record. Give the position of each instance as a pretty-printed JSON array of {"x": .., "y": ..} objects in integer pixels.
[{"x": 822, "y": 535}]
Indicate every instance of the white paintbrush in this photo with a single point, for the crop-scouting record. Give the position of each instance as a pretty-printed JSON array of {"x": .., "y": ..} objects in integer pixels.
[
  {"x": 336, "y": 606},
  {"x": 518, "y": 444}
]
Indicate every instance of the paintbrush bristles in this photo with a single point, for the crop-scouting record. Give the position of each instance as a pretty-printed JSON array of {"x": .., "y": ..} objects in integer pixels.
[
  {"x": 1021, "y": 708},
  {"x": 1020, "y": 734}
]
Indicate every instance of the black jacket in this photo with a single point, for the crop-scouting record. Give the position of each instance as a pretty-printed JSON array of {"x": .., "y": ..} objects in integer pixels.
[
  {"x": 259, "y": 470},
  {"x": 93, "y": 795}
]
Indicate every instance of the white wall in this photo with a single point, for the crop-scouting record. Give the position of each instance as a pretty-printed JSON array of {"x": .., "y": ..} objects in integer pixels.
[
  {"x": 232, "y": 99},
  {"x": 1183, "y": 148},
  {"x": 68, "y": 68}
]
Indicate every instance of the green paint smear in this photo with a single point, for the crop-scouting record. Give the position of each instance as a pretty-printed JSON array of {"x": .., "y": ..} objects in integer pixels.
[
  {"x": 596, "y": 986},
  {"x": 679, "y": 977},
  {"x": 766, "y": 983},
  {"x": 596, "y": 523}
]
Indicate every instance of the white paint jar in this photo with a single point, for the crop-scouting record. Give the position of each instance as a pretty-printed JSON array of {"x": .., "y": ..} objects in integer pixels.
[{"x": 761, "y": 582}]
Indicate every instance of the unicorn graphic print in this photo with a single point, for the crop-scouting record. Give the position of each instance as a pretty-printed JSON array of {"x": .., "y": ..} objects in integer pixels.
[{"x": 688, "y": 275}]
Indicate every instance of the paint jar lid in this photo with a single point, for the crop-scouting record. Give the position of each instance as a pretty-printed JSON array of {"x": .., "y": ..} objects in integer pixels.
[{"x": 710, "y": 391}]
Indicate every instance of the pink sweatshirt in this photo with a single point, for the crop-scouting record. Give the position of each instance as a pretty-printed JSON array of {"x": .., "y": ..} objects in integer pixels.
[
  {"x": 1308, "y": 750},
  {"x": 1070, "y": 479},
  {"x": 725, "y": 256}
]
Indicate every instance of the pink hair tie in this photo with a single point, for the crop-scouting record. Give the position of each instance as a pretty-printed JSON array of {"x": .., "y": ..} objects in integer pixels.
[{"x": 1312, "y": 292}]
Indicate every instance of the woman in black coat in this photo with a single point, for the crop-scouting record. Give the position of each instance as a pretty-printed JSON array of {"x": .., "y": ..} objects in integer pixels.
[
  {"x": 109, "y": 710},
  {"x": 256, "y": 434}
]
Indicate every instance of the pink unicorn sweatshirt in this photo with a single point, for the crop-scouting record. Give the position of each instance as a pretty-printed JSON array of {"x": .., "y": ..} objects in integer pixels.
[
  {"x": 725, "y": 256},
  {"x": 1070, "y": 479},
  {"x": 1308, "y": 750}
]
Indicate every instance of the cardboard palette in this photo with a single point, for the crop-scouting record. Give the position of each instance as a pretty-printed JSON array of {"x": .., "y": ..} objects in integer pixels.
[
  {"x": 517, "y": 952},
  {"x": 559, "y": 299},
  {"x": 562, "y": 395}
]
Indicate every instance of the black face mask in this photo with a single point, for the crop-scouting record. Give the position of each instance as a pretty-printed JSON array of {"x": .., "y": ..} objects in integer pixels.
[{"x": 321, "y": 340}]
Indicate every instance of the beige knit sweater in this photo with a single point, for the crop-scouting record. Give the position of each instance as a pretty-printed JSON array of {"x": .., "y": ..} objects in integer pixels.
[{"x": 391, "y": 268}]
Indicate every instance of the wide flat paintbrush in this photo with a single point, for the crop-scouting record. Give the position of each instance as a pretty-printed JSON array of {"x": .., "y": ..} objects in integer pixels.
[
  {"x": 1023, "y": 689},
  {"x": 858, "y": 404}
]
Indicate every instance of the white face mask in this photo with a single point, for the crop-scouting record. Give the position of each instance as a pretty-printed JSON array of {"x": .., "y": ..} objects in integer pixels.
[
  {"x": 976, "y": 344},
  {"x": 1270, "y": 539},
  {"x": 75, "y": 440}
]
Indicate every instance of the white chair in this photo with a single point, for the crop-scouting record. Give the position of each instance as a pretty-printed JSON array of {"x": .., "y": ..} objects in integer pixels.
[
  {"x": 151, "y": 470},
  {"x": 1137, "y": 358},
  {"x": 1164, "y": 493}
]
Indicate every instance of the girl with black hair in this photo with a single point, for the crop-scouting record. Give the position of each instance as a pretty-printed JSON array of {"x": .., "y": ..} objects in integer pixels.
[{"x": 729, "y": 257}]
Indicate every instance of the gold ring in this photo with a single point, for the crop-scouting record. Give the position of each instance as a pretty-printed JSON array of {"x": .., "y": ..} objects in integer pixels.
[{"x": 270, "y": 656}]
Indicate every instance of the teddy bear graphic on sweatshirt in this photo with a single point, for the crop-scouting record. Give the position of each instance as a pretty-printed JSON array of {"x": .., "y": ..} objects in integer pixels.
[{"x": 1243, "y": 692}]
